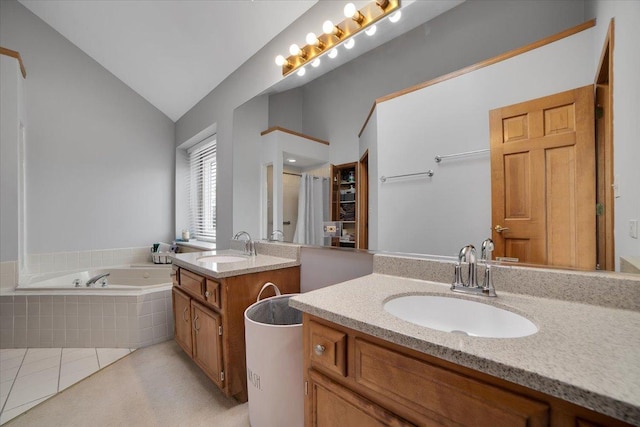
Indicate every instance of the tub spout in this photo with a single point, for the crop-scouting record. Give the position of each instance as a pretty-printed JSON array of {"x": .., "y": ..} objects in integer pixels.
[{"x": 94, "y": 279}]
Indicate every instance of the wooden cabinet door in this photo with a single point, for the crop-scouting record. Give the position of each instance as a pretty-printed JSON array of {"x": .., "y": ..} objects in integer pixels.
[
  {"x": 543, "y": 180},
  {"x": 336, "y": 406},
  {"x": 182, "y": 320},
  {"x": 207, "y": 342}
]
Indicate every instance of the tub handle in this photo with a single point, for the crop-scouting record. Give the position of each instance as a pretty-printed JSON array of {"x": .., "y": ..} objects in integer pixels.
[{"x": 184, "y": 312}]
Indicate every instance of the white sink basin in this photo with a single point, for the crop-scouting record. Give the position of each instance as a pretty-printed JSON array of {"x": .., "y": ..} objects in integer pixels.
[
  {"x": 221, "y": 258},
  {"x": 461, "y": 316}
]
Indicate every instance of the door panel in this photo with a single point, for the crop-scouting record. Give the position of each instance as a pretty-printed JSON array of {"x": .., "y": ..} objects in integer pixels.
[
  {"x": 543, "y": 180},
  {"x": 182, "y": 320}
]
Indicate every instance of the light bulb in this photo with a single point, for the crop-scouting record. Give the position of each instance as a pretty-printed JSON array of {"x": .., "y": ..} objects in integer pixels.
[
  {"x": 315, "y": 62},
  {"x": 395, "y": 17},
  {"x": 350, "y": 10},
  {"x": 330, "y": 29},
  {"x": 371, "y": 30},
  {"x": 301, "y": 72},
  {"x": 327, "y": 27},
  {"x": 333, "y": 53},
  {"x": 294, "y": 49},
  {"x": 312, "y": 39},
  {"x": 349, "y": 43},
  {"x": 280, "y": 60}
]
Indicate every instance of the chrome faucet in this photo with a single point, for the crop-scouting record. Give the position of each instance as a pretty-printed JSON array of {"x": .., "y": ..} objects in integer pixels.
[
  {"x": 249, "y": 245},
  {"x": 468, "y": 254},
  {"x": 95, "y": 279},
  {"x": 273, "y": 237}
]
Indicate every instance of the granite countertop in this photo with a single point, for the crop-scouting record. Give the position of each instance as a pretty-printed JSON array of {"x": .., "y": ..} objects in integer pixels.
[
  {"x": 585, "y": 354},
  {"x": 251, "y": 264}
]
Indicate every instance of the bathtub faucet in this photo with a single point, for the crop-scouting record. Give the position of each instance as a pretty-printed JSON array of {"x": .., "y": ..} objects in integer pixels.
[{"x": 94, "y": 279}]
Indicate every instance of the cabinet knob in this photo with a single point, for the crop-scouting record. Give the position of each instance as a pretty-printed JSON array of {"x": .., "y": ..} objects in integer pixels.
[
  {"x": 318, "y": 349},
  {"x": 207, "y": 294}
]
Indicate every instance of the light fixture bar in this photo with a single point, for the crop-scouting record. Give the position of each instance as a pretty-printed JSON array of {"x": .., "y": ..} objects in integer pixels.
[{"x": 371, "y": 13}]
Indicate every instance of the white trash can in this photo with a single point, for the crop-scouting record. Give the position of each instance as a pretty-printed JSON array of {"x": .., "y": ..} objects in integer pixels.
[{"x": 273, "y": 334}]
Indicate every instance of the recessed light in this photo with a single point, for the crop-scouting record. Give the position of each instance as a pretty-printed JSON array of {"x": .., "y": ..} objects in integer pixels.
[{"x": 291, "y": 160}]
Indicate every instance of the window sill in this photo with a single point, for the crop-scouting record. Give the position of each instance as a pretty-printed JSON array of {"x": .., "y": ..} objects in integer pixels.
[{"x": 197, "y": 244}]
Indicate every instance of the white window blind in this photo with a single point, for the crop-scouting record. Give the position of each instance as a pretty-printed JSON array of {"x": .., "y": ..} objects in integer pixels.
[{"x": 202, "y": 189}]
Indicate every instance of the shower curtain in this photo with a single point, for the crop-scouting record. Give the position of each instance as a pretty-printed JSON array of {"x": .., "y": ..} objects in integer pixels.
[{"x": 313, "y": 210}]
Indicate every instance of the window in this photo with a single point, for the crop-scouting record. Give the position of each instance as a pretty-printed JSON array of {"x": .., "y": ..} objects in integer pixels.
[{"x": 202, "y": 189}]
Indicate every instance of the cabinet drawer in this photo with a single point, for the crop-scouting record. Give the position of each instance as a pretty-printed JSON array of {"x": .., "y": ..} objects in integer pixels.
[
  {"x": 212, "y": 293},
  {"x": 175, "y": 278},
  {"x": 328, "y": 348},
  {"x": 440, "y": 393},
  {"x": 191, "y": 282}
]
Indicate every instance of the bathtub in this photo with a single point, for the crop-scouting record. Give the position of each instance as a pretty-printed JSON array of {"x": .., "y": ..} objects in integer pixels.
[
  {"x": 134, "y": 310},
  {"x": 125, "y": 280}
]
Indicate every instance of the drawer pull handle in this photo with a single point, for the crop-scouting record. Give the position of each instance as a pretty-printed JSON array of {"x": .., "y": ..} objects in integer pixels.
[
  {"x": 318, "y": 349},
  {"x": 207, "y": 294}
]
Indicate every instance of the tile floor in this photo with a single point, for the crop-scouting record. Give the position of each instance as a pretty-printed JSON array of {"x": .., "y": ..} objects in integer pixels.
[{"x": 30, "y": 376}]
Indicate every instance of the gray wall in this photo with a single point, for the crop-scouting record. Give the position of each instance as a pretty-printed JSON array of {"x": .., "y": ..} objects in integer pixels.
[
  {"x": 100, "y": 158},
  {"x": 336, "y": 104},
  {"x": 11, "y": 117}
]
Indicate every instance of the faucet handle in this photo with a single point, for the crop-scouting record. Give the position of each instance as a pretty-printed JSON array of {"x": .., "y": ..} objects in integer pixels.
[
  {"x": 457, "y": 276},
  {"x": 486, "y": 249},
  {"x": 487, "y": 284}
]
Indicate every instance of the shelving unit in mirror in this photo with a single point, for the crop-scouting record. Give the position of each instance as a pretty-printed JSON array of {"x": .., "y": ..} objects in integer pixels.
[{"x": 344, "y": 203}]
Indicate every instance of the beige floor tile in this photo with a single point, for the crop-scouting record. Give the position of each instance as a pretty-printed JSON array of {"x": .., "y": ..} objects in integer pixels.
[
  {"x": 33, "y": 387},
  {"x": 107, "y": 356},
  {"x": 12, "y": 413}
]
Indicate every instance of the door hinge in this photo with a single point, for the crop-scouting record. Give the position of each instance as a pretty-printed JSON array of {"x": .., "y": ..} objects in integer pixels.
[
  {"x": 220, "y": 330},
  {"x": 306, "y": 388},
  {"x": 221, "y": 375},
  {"x": 599, "y": 209}
]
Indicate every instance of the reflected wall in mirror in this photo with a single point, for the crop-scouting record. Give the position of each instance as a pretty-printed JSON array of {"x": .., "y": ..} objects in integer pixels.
[
  {"x": 296, "y": 200},
  {"x": 453, "y": 208}
]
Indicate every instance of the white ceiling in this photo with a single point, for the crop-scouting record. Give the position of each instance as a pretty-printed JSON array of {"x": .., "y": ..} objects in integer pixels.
[
  {"x": 171, "y": 52},
  {"x": 174, "y": 52}
]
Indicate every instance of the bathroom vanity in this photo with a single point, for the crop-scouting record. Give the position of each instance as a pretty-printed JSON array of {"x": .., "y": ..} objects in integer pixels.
[
  {"x": 211, "y": 291},
  {"x": 365, "y": 366}
]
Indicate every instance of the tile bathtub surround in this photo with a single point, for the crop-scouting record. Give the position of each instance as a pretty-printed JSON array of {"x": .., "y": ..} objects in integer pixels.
[
  {"x": 605, "y": 289},
  {"x": 41, "y": 321},
  {"x": 69, "y": 261}
]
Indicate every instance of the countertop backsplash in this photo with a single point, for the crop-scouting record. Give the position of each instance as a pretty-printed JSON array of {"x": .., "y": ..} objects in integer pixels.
[{"x": 601, "y": 288}]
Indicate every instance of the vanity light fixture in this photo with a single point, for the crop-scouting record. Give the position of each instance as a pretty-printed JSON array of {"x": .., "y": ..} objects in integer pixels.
[
  {"x": 315, "y": 63},
  {"x": 334, "y": 34},
  {"x": 301, "y": 71}
]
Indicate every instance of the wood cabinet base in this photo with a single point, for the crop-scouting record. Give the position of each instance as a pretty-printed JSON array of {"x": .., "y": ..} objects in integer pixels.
[
  {"x": 353, "y": 378},
  {"x": 209, "y": 321}
]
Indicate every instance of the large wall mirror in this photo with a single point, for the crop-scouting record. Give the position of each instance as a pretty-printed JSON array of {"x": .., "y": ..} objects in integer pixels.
[{"x": 438, "y": 214}]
